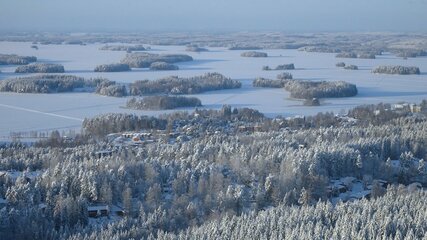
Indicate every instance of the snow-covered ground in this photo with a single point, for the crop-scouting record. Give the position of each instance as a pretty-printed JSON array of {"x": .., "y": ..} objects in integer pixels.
[{"x": 28, "y": 112}]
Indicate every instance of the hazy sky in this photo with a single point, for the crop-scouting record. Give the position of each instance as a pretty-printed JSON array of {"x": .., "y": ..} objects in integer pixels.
[{"x": 213, "y": 15}]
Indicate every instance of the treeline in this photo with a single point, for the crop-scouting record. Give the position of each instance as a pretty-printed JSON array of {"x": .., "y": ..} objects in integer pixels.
[
  {"x": 402, "y": 70},
  {"x": 351, "y": 67},
  {"x": 289, "y": 66},
  {"x": 110, "y": 88},
  {"x": 62, "y": 83},
  {"x": 364, "y": 55},
  {"x": 177, "y": 85},
  {"x": 409, "y": 53},
  {"x": 383, "y": 218},
  {"x": 269, "y": 83},
  {"x": 254, "y": 54},
  {"x": 40, "y": 68},
  {"x": 195, "y": 48},
  {"x": 126, "y": 48},
  {"x": 162, "y": 102},
  {"x": 284, "y": 76},
  {"x": 104, "y": 124},
  {"x": 244, "y": 48},
  {"x": 163, "y": 66},
  {"x": 323, "y": 89},
  {"x": 144, "y": 60},
  {"x": 46, "y": 84},
  {"x": 114, "y": 67},
  {"x": 12, "y": 59}
]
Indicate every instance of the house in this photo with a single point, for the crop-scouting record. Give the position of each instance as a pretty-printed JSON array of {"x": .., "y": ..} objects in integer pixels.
[
  {"x": 98, "y": 210},
  {"x": 415, "y": 108}
]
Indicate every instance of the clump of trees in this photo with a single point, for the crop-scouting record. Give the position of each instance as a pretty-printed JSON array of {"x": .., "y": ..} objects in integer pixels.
[
  {"x": 366, "y": 55},
  {"x": 254, "y": 54},
  {"x": 111, "y": 89},
  {"x": 163, "y": 66},
  {"x": 40, "y": 68},
  {"x": 269, "y": 83},
  {"x": 284, "y": 76},
  {"x": 195, "y": 48},
  {"x": 351, "y": 67},
  {"x": 104, "y": 124},
  {"x": 312, "y": 102},
  {"x": 12, "y": 59},
  {"x": 127, "y": 48},
  {"x": 402, "y": 70},
  {"x": 289, "y": 66},
  {"x": 346, "y": 55},
  {"x": 46, "y": 84},
  {"x": 409, "y": 53},
  {"x": 340, "y": 64},
  {"x": 177, "y": 85},
  {"x": 162, "y": 102},
  {"x": 244, "y": 48},
  {"x": 323, "y": 89},
  {"x": 114, "y": 67},
  {"x": 62, "y": 83},
  {"x": 144, "y": 60}
]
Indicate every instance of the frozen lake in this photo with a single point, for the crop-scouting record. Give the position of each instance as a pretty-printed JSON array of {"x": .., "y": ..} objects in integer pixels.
[{"x": 44, "y": 112}]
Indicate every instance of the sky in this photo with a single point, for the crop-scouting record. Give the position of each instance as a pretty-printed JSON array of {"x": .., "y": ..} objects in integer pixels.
[{"x": 213, "y": 15}]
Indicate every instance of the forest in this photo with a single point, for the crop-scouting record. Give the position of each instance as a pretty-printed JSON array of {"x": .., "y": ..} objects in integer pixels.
[
  {"x": 114, "y": 67},
  {"x": 12, "y": 59},
  {"x": 162, "y": 102},
  {"x": 269, "y": 83},
  {"x": 272, "y": 182},
  {"x": 289, "y": 66},
  {"x": 195, "y": 48},
  {"x": 40, "y": 68},
  {"x": 127, "y": 48},
  {"x": 52, "y": 83},
  {"x": 254, "y": 54},
  {"x": 179, "y": 85},
  {"x": 144, "y": 60},
  {"x": 163, "y": 66},
  {"x": 322, "y": 89},
  {"x": 402, "y": 70},
  {"x": 46, "y": 84}
]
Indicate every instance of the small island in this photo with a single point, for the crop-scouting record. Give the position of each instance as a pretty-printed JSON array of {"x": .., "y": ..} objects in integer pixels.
[
  {"x": 144, "y": 60},
  {"x": 12, "y": 59},
  {"x": 269, "y": 83},
  {"x": 401, "y": 70},
  {"x": 351, "y": 67},
  {"x": 45, "y": 84},
  {"x": 362, "y": 55},
  {"x": 162, "y": 102},
  {"x": 289, "y": 66},
  {"x": 127, "y": 48},
  {"x": 340, "y": 64},
  {"x": 40, "y": 68},
  {"x": 322, "y": 89},
  {"x": 254, "y": 54},
  {"x": 114, "y": 67},
  {"x": 163, "y": 66},
  {"x": 177, "y": 85},
  {"x": 195, "y": 48}
]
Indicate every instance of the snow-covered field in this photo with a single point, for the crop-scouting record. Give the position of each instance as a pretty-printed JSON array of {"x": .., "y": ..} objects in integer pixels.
[{"x": 40, "y": 112}]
